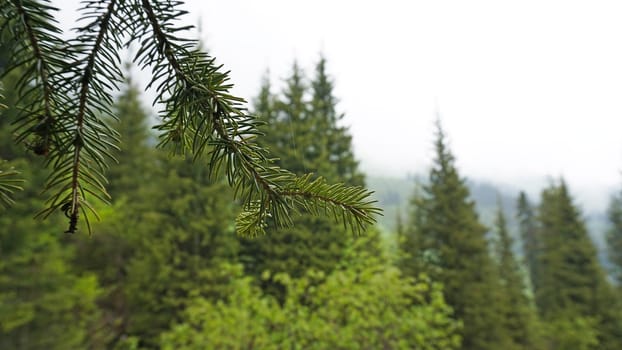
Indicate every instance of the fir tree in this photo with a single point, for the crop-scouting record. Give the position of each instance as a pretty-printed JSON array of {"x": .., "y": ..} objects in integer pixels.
[
  {"x": 44, "y": 302},
  {"x": 571, "y": 282},
  {"x": 527, "y": 227},
  {"x": 519, "y": 316},
  {"x": 161, "y": 249},
  {"x": 569, "y": 272},
  {"x": 184, "y": 231},
  {"x": 455, "y": 240},
  {"x": 413, "y": 258},
  {"x": 135, "y": 159},
  {"x": 337, "y": 142},
  {"x": 132, "y": 177},
  {"x": 302, "y": 126},
  {"x": 614, "y": 237}
]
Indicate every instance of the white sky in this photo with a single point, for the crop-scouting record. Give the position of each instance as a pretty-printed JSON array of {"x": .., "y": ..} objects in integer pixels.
[{"x": 526, "y": 89}]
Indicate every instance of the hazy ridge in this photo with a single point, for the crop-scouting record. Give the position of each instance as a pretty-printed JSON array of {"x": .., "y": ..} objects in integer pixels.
[{"x": 394, "y": 193}]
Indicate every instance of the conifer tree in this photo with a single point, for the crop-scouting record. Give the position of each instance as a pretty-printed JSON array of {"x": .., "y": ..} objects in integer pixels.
[
  {"x": 456, "y": 242},
  {"x": 518, "y": 316},
  {"x": 569, "y": 272},
  {"x": 571, "y": 283},
  {"x": 163, "y": 247},
  {"x": 614, "y": 237},
  {"x": 413, "y": 256},
  {"x": 135, "y": 159},
  {"x": 527, "y": 226},
  {"x": 302, "y": 126},
  {"x": 337, "y": 145},
  {"x": 108, "y": 254},
  {"x": 184, "y": 231},
  {"x": 44, "y": 302}
]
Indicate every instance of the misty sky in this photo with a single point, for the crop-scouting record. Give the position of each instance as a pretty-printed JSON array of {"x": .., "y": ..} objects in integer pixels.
[{"x": 525, "y": 89}]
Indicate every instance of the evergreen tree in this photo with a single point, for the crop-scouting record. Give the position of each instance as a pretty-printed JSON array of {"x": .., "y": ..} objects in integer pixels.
[
  {"x": 154, "y": 253},
  {"x": 298, "y": 124},
  {"x": 614, "y": 249},
  {"x": 184, "y": 229},
  {"x": 569, "y": 272},
  {"x": 527, "y": 227},
  {"x": 571, "y": 283},
  {"x": 614, "y": 237},
  {"x": 413, "y": 258},
  {"x": 519, "y": 316},
  {"x": 455, "y": 240},
  {"x": 109, "y": 252},
  {"x": 336, "y": 145},
  {"x": 362, "y": 305},
  {"x": 44, "y": 302},
  {"x": 135, "y": 158},
  {"x": 294, "y": 141}
]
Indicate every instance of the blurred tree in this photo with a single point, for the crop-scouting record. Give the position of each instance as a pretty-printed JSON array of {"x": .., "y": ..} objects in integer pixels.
[
  {"x": 363, "y": 305},
  {"x": 527, "y": 226},
  {"x": 136, "y": 161},
  {"x": 184, "y": 229},
  {"x": 614, "y": 237},
  {"x": 413, "y": 256},
  {"x": 519, "y": 314},
  {"x": 571, "y": 282},
  {"x": 336, "y": 147},
  {"x": 132, "y": 179},
  {"x": 302, "y": 126},
  {"x": 44, "y": 302},
  {"x": 454, "y": 245},
  {"x": 570, "y": 332}
]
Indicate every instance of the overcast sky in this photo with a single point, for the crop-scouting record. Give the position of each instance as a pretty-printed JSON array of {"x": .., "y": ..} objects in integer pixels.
[{"x": 525, "y": 89}]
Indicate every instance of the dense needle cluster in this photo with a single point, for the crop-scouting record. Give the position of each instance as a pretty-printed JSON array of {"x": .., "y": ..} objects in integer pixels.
[{"x": 71, "y": 83}]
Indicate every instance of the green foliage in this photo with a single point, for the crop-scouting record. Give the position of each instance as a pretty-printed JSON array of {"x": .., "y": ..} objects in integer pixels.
[
  {"x": 614, "y": 237},
  {"x": 163, "y": 270},
  {"x": 571, "y": 333},
  {"x": 519, "y": 316},
  {"x": 9, "y": 183},
  {"x": 182, "y": 241},
  {"x": 571, "y": 282},
  {"x": 413, "y": 257},
  {"x": 527, "y": 226},
  {"x": 44, "y": 302},
  {"x": 136, "y": 160},
  {"x": 452, "y": 243},
  {"x": 69, "y": 86},
  {"x": 569, "y": 271},
  {"x": 163, "y": 238},
  {"x": 301, "y": 124},
  {"x": 351, "y": 308},
  {"x": 109, "y": 253}
]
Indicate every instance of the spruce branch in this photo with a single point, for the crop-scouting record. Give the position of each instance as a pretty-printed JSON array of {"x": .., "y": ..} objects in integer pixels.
[
  {"x": 36, "y": 46},
  {"x": 201, "y": 116},
  {"x": 9, "y": 183},
  {"x": 68, "y": 86},
  {"x": 85, "y": 140},
  {"x": 8, "y": 178}
]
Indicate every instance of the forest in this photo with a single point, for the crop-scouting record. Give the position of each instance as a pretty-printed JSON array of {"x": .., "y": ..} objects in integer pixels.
[{"x": 175, "y": 259}]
